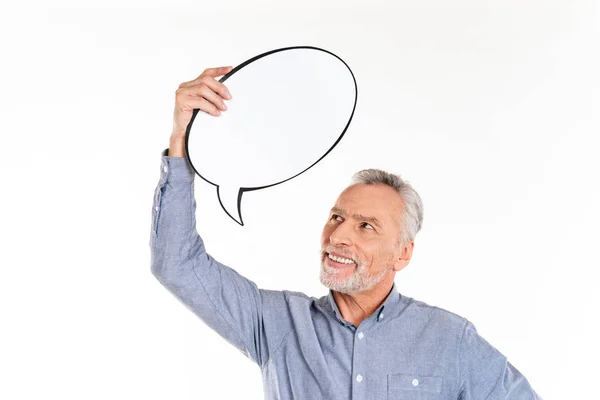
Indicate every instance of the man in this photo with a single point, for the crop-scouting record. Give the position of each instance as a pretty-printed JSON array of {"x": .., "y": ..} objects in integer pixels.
[{"x": 362, "y": 341}]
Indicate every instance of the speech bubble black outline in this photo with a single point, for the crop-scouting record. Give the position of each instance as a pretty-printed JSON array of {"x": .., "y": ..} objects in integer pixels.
[{"x": 243, "y": 189}]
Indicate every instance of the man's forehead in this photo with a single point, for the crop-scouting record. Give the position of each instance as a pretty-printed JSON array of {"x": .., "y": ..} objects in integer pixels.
[
  {"x": 366, "y": 195},
  {"x": 357, "y": 210},
  {"x": 376, "y": 201}
]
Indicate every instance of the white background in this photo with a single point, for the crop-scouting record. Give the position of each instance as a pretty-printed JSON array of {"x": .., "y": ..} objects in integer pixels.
[{"x": 490, "y": 108}]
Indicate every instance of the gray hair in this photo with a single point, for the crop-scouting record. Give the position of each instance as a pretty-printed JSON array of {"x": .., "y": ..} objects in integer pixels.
[{"x": 412, "y": 215}]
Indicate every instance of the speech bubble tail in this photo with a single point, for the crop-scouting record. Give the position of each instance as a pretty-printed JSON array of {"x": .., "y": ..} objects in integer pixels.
[{"x": 231, "y": 201}]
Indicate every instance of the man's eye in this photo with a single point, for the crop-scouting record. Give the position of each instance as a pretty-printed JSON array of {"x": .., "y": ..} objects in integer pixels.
[
  {"x": 366, "y": 225},
  {"x": 336, "y": 217}
]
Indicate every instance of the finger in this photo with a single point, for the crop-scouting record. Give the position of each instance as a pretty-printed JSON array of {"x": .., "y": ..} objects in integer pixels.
[
  {"x": 203, "y": 90},
  {"x": 217, "y": 87},
  {"x": 211, "y": 82},
  {"x": 214, "y": 72},
  {"x": 191, "y": 103},
  {"x": 209, "y": 72},
  {"x": 206, "y": 92}
]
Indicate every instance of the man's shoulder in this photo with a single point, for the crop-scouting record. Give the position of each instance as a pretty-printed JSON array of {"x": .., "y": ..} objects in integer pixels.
[{"x": 432, "y": 314}]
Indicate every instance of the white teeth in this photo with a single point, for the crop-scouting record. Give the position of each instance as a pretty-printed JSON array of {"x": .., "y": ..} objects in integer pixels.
[{"x": 340, "y": 259}]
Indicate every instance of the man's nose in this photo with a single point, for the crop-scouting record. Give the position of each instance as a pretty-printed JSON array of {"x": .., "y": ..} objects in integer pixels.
[{"x": 341, "y": 235}]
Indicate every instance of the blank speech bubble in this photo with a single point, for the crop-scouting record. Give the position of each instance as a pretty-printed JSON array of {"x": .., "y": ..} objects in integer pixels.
[{"x": 290, "y": 107}]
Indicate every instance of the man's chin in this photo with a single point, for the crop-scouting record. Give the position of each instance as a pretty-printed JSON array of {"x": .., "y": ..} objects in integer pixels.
[{"x": 334, "y": 282}]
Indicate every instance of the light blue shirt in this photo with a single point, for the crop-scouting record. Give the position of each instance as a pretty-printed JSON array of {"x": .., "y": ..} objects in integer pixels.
[{"x": 304, "y": 348}]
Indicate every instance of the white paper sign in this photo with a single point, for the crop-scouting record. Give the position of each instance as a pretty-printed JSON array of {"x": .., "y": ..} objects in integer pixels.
[{"x": 289, "y": 108}]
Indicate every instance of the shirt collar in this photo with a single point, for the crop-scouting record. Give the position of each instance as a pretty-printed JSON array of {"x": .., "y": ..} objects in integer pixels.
[{"x": 389, "y": 304}]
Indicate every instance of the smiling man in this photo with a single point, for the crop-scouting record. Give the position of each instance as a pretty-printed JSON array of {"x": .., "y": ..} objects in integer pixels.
[
  {"x": 364, "y": 340},
  {"x": 367, "y": 239}
]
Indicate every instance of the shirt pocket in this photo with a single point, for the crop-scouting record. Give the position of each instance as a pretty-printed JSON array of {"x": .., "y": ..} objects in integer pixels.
[{"x": 414, "y": 387}]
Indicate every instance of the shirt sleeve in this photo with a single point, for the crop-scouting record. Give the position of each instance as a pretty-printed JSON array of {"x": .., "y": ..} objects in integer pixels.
[
  {"x": 226, "y": 301},
  {"x": 487, "y": 374}
]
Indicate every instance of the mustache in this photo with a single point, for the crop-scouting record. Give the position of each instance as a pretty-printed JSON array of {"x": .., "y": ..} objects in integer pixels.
[{"x": 338, "y": 251}]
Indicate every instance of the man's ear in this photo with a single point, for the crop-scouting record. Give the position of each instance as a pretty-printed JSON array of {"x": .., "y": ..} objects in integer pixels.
[{"x": 404, "y": 256}]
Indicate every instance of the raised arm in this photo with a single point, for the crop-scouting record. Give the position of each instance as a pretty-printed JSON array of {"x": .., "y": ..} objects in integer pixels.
[{"x": 226, "y": 301}]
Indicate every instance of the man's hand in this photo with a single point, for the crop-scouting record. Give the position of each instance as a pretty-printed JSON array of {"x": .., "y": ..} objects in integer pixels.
[{"x": 205, "y": 93}]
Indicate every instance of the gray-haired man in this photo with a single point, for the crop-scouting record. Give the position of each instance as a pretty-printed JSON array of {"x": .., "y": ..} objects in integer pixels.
[{"x": 364, "y": 340}]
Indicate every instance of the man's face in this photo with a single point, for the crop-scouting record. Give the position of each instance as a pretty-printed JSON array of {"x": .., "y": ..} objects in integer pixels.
[{"x": 360, "y": 244}]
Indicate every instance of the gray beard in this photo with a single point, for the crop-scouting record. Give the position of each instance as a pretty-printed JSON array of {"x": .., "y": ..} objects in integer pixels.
[{"x": 359, "y": 281}]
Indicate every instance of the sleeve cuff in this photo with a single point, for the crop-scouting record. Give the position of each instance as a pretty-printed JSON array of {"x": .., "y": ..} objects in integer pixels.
[{"x": 176, "y": 169}]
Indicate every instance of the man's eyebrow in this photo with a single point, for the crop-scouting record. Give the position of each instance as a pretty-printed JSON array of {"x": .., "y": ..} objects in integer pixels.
[
  {"x": 360, "y": 217},
  {"x": 370, "y": 220},
  {"x": 338, "y": 211}
]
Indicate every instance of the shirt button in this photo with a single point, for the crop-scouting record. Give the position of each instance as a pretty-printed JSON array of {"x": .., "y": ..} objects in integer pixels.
[
  {"x": 415, "y": 382},
  {"x": 165, "y": 169},
  {"x": 381, "y": 316},
  {"x": 359, "y": 378},
  {"x": 361, "y": 335}
]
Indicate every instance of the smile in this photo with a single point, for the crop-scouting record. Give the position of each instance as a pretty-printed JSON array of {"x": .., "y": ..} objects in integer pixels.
[{"x": 340, "y": 260}]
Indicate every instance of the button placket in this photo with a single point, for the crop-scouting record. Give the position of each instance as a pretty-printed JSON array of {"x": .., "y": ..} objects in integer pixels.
[{"x": 359, "y": 357}]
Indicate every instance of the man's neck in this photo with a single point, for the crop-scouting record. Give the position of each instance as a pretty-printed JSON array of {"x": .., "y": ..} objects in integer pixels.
[{"x": 356, "y": 307}]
